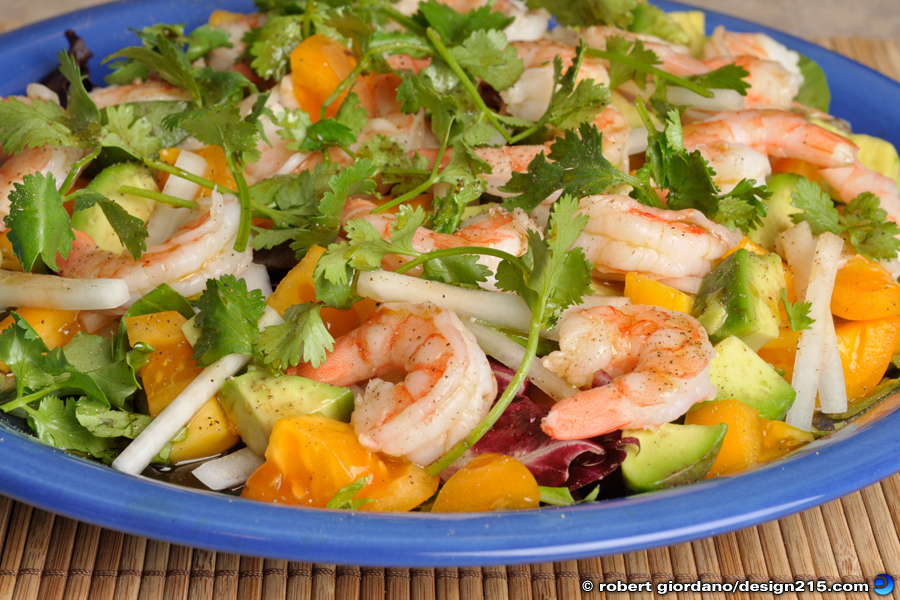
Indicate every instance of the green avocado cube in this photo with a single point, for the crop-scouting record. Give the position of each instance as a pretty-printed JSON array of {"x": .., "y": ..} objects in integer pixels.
[
  {"x": 672, "y": 455},
  {"x": 255, "y": 400},
  {"x": 740, "y": 297}
]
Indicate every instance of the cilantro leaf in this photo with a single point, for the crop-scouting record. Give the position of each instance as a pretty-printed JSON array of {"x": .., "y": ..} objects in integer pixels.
[
  {"x": 39, "y": 226},
  {"x": 578, "y": 168},
  {"x": 123, "y": 129},
  {"x": 726, "y": 77},
  {"x": 23, "y": 350},
  {"x": 205, "y": 38},
  {"x": 167, "y": 60},
  {"x": 82, "y": 110},
  {"x": 273, "y": 43},
  {"x": 341, "y": 131},
  {"x": 93, "y": 355},
  {"x": 863, "y": 222},
  {"x": 228, "y": 317},
  {"x": 129, "y": 229},
  {"x": 488, "y": 56},
  {"x": 104, "y": 422},
  {"x": 620, "y": 70},
  {"x": 572, "y": 104},
  {"x": 797, "y": 313},
  {"x": 55, "y": 423},
  {"x": 303, "y": 337},
  {"x": 456, "y": 27},
  {"x": 40, "y": 124},
  {"x": 818, "y": 209}
]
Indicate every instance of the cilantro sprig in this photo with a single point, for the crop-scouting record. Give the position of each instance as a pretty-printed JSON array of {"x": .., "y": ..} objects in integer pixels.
[
  {"x": 862, "y": 222},
  {"x": 797, "y": 312}
]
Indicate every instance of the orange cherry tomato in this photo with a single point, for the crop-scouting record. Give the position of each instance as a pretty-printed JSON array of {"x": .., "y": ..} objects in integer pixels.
[
  {"x": 318, "y": 66},
  {"x": 489, "y": 482},
  {"x": 311, "y": 458},
  {"x": 864, "y": 290}
]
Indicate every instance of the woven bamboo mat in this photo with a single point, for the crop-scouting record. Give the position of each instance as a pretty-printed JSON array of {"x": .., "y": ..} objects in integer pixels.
[{"x": 849, "y": 540}]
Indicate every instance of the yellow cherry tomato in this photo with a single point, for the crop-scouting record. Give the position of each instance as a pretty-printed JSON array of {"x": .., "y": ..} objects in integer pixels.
[{"x": 489, "y": 482}]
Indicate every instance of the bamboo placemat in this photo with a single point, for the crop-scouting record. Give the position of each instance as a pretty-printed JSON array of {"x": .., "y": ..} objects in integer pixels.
[{"x": 849, "y": 540}]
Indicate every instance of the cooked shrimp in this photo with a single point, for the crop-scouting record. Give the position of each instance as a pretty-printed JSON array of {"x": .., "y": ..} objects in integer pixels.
[
  {"x": 676, "y": 247},
  {"x": 759, "y": 45},
  {"x": 850, "y": 182},
  {"x": 496, "y": 228},
  {"x": 49, "y": 160},
  {"x": 734, "y": 162},
  {"x": 658, "y": 359},
  {"x": 198, "y": 251},
  {"x": 447, "y": 390},
  {"x": 776, "y": 133},
  {"x": 152, "y": 90}
]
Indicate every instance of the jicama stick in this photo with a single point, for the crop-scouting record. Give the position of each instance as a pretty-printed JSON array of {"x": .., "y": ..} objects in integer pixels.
[
  {"x": 506, "y": 311},
  {"x": 228, "y": 471},
  {"x": 52, "y": 291},
  {"x": 807, "y": 363},
  {"x": 141, "y": 451},
  {"x": 799, "y": 248},
  {"x": 511, "y": 354}
]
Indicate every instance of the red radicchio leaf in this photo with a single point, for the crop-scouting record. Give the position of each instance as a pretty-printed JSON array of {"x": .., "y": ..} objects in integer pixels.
[{"x": 554, "y": 463}]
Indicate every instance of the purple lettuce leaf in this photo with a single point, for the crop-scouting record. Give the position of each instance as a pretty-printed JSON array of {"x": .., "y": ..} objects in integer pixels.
[{"x": 554, "y": 463}]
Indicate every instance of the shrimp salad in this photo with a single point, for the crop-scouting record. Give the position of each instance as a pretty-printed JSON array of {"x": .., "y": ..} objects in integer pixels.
[{"x": 443, "y": 255}]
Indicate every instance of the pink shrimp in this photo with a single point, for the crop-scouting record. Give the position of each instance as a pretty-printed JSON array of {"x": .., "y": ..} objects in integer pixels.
[
  {"x": 676, "y": 247},
  {"x": 198, "y": 251},
  {"x": 776, "y": 133},
  {"x": 658, "y": 359},
  {"x": 151, "y": 90},
  {"x": 448, "y": 385}
]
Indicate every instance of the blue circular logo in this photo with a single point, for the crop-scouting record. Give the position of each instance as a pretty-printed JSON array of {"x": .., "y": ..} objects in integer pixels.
[{"x": 884, "y": 585}]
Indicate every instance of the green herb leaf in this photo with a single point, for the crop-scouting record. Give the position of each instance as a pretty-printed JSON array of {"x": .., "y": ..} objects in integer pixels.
[
  {"x": 104, "y": 422},
  {"x": 455, "y": 27},
  {"x": 55, "y": 422},
  {"x": 228, "y": 316},
  {"x": 578, "y": 168},
  {"x": 488, "y": 56},
  {"x": 797, "y": 313},
  {"x": 818, "y": 209},
  {"x": 93, "y": 356},
  {"x": 165, "y": 59},
  {"x": 41, "y": 124},
  {"x": 590, "y": 12},
  {"x": 39, "y": 226},
  {"x": 82, "y": 110},
  {"x": 129, "y": 229},
  {"x": 272, "y": 45},
  {"x": 303, "y": 337},
  {"x": 814, "y": 92}
]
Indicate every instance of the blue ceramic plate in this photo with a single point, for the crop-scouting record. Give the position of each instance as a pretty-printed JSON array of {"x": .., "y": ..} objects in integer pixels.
[{"x": 68, "y": 485}]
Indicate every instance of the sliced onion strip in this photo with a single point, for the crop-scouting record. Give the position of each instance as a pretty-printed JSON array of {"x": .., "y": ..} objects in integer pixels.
[
  {"x": 228, "y": 471},
  {"x": 52, "y": 291},
  {"x": 511, "y": 354},
  {"x": 807, "y": 363}
]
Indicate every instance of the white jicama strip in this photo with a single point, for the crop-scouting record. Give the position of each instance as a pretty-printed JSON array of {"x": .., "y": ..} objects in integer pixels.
[
  {"x": 176, "y": 415},
  {"x": 257, "y": 278},
  {"x": 721, "y": 99},
  {"x": 511, "y": 354},
  {"x": 51, "y": 291},
  {"x": 799, "y": 247},
  {"x": 180, "y": 187},
  {"x": 809, "y": 349},
  {"x": 228, "y": 471},
  {"x": 506, "y": 311}
]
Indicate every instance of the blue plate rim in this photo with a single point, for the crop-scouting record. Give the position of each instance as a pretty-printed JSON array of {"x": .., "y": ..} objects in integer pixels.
[{"x": 74, "y": 487}]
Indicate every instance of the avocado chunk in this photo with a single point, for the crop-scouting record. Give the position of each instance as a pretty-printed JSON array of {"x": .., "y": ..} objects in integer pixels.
[
  {"x": 93, "y": 222},
  {"x": 778, "y": 210},
  {"x": 738, "y": 372},
  {"x": 256, "y": 399},
  {"x": 672, "y": 455},
  {"x": 878, "y": 155},
  {"x": 740, "y": 297}
]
